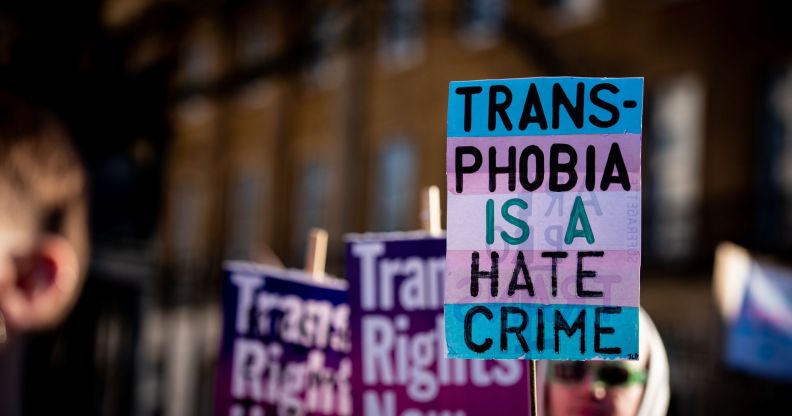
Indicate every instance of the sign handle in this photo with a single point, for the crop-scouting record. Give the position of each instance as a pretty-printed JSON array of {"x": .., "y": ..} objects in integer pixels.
[
  {"x": 265, "y": 255},
  {"x": 534, "y": 398},
  {"x": 316, "y": 253},
  {"x": 430, "y": 210},
  {"x": 3, "y": 335}
]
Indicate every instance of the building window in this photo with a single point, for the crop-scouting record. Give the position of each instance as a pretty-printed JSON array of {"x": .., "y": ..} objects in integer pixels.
[
  {"x": 312, "y": 198},
  {"x": 574, "y": 12},
  {"x": 254, "y": 38},
  {"x": 774, "y": 219},
  {"x": 243, "y": 216},
  {"x": 482, "y": 22},
  {"x": 396, "y": 188},
  {"x": 201, "y": 54},
  {"x": 401, "y": 42},
  {"x": 186, "y": 213},
  {"x": 675, "y": 167},
  {"x": 324, "y": 66}
]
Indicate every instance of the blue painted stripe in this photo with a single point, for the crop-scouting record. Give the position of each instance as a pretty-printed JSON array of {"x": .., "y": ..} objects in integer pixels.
[
  {"x": 628, "y": 100},
  {"x": 622, "y": 320}
]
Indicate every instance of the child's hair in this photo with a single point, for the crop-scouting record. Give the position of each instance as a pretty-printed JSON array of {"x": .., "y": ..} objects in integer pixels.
[{"x": 42, "y": 181}]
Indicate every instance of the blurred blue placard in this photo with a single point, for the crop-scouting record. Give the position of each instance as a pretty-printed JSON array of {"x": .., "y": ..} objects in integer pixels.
[
  {"x": 760, "y": 338},
  {"x": 285, "y": 344}
]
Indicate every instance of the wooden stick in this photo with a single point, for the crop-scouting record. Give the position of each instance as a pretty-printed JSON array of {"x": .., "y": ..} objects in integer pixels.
[
  {"x": 316, "y": 253},
  {"x": 430, "y": 210},
  {"x": 534, "y": 396},
  {"x": 3, "y": 335},
  {"x": 265, "y": 255}
]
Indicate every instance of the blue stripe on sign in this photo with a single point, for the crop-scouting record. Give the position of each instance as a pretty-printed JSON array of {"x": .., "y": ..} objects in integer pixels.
[
  {"x": 608, "y": 332},
  {"x": 601, "y": 99}
]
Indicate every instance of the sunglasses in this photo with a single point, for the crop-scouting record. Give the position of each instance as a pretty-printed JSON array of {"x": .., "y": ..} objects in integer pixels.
[{"x": 611, "y": 374}]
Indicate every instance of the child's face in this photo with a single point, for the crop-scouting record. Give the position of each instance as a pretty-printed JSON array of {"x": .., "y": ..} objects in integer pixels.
[{"x": 39, "y": 278}]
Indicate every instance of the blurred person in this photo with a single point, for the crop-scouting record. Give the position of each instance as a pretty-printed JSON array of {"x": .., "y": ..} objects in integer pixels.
[
  {"x": 43, "y": 230},
  {"x": 618, "y": 387},
  {"x": 43, "y": 234}
]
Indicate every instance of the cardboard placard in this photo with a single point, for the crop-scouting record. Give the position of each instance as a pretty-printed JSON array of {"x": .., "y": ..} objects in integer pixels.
[
  {"x": 544, "y": 218},
  {"x": 285, "y": 344},
  {"x": 398, "y": 348},
  {"x": 755, "y": 297}
]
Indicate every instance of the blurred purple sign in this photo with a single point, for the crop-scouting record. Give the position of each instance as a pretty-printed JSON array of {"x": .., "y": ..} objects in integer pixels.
[
  {"x": 398, "y": 345},
  {"x": 760, "y": 338},
  {"x": 285, "y": 344}
]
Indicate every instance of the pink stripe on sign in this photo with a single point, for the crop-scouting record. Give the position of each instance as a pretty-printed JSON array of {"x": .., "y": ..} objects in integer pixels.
[
  {"x": 615, "y": 219},
  {"x": 478, "y": 184},
  {"x": 617, "y": 278},
  {"x": 550, "y": 138},
  {"x": 629, "y": 146}
]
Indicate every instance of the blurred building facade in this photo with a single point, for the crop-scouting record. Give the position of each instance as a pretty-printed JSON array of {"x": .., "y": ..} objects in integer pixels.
[{"x": 241, "y": 124}]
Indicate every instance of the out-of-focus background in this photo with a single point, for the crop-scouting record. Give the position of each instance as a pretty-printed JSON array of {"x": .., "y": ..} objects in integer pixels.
[{"x": 217, "y": 130}]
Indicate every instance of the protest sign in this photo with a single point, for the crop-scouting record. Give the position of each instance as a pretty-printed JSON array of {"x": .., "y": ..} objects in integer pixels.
[
  {"x": 544, "y": 218},
  {"x": 755, "y": 297},
  {"x": 760, "y": 339},
  {"x": 285, "y": 344},
  {"x": 398, "y": 348}
]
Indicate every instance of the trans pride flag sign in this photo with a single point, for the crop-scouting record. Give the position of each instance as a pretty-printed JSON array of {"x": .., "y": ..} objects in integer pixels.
[{"x": 544, "y": 218}]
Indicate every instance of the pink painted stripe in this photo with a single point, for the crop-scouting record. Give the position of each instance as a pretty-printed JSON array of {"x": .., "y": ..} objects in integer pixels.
[
  {"x": 618, "y": 278},
  {"x": 549, "y": 138},
  {"x": 629, "y": 145},
  {"x": 478, "y": 184}
]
